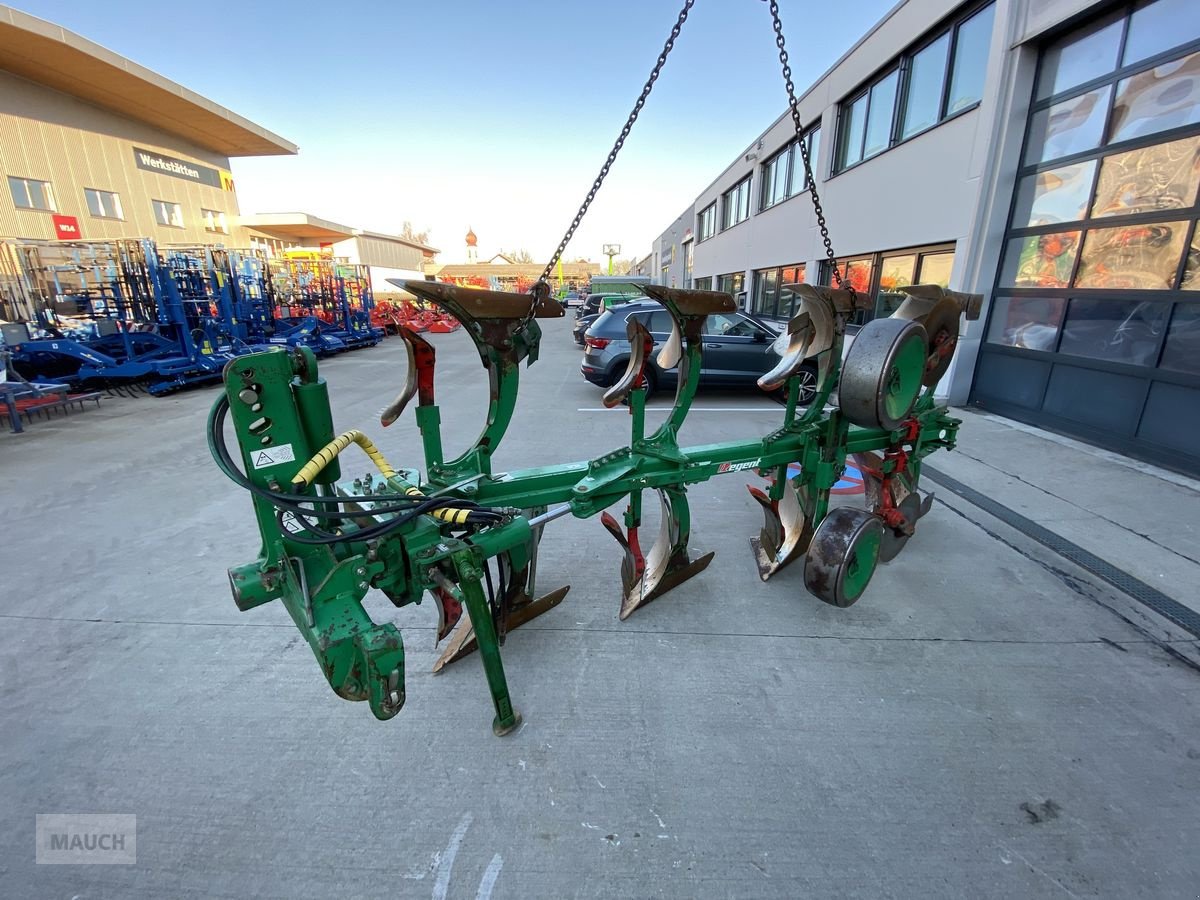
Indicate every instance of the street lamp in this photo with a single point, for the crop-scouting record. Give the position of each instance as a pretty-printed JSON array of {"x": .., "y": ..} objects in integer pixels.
[{"x": 611, "y": 250}]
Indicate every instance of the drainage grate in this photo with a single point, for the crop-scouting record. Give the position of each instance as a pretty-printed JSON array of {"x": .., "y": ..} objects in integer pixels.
[{"x": 1150, "y": 597}]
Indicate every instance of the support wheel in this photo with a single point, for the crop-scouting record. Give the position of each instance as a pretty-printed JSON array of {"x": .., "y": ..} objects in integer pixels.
[
  {"x": 881, "y": 377},
  {"x": 843, "y": 555}
]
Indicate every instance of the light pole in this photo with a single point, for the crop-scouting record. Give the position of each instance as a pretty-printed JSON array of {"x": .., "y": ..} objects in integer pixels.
[{"x": 611, "y": 250}]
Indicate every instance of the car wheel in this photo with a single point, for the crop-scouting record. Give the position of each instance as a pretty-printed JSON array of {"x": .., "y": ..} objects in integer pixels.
[
  {"x": 651, "y": 380},
  {"x": 807, "y": 376}
]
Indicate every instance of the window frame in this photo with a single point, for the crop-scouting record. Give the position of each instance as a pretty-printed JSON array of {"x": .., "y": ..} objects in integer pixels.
[
  {"x": 861, "y": 317},
  {"x": 171, "y": 203},
  {"x": 793, "y": 163},
  {"x": 119, "y": 217},
  {"x": 748, "y": 183},
  {"x": 701, "y": 235},
  {"x": 220, "y": 219},
  {"x": 902, "y": 66},
  {"x": 48, "y": 190},
  {"x": 758, "y": 275}
]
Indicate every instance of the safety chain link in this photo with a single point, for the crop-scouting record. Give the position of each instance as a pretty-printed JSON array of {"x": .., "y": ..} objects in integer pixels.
[
  {"x": 612, "y": 154},
  {"x": 808, "y": 169}
]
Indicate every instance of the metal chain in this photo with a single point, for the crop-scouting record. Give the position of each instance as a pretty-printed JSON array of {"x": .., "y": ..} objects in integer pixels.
[
  {"x": 808, "y": 171},
  {"x": 612, "y": 154}
]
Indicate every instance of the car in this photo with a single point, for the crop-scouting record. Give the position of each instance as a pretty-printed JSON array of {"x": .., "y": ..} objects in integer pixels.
[
  {"x": 582, "y": 323},
  {"x": 591, "y": 309},
  {"x": 738, "y": 349},
  {"x": 568, "y": 299}
]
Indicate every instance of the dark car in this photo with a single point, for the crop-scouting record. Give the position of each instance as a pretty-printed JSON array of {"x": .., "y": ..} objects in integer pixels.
[
  {"x": 737, "y": 349},
  {"x": 569, "y": 299},
  {"x": 593, "y": 305}
]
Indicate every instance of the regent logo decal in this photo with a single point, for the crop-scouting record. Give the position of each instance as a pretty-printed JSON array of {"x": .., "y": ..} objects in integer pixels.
[{"x": 738, "y": 466}]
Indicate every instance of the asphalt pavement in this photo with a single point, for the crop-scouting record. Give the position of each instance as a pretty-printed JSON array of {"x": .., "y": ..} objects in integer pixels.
[{"x": 990, "y": 720}]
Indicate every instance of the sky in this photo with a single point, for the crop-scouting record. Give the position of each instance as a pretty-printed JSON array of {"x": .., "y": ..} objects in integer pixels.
[{"x": 490, "y": 115}]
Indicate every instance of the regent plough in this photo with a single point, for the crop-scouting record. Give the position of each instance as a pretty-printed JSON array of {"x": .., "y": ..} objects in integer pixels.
[{"x": 467, "y": 536}]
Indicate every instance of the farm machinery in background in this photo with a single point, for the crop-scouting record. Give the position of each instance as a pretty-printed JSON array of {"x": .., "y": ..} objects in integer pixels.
[{"x": 128, "y": 314}]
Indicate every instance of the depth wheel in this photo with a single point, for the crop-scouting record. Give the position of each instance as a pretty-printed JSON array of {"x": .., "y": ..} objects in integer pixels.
[
  {"x": 843, "y": 555},
  {"x": 881, "y": 377}
]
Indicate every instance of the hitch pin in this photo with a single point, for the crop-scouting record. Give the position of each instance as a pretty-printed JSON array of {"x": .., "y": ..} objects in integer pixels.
[{"x": 550, "y": 515}]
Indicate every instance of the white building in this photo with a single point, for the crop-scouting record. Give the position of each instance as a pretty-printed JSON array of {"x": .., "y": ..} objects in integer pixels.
[
  {"x": 1045, "y": 153},
  {"x": 388, "y": 255}
]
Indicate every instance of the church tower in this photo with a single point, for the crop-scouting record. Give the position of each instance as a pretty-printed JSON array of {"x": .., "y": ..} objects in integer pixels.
[{"x": 472, "y": 250}]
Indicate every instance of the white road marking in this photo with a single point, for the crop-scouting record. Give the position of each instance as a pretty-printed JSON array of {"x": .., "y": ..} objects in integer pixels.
[
  {"x": 488, "y": 882},
  {"x": 446, "y": 863}
]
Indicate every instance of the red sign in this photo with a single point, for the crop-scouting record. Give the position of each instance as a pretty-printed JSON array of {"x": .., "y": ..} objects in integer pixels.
[{"x": 66, "y": 228}]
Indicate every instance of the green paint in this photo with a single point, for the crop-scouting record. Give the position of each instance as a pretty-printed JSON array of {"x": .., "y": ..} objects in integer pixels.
[{"x": 323, "y": 586}]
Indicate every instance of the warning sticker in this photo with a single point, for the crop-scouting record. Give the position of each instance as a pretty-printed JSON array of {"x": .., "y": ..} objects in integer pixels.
[{"x": 272, "y": 456}]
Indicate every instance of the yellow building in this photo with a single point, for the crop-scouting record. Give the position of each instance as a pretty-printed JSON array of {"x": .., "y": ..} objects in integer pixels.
[{"x": 94, "y": 146}]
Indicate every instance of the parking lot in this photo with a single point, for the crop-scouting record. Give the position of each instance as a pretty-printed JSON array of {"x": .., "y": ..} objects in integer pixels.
[{"x": 986, "y": 721}]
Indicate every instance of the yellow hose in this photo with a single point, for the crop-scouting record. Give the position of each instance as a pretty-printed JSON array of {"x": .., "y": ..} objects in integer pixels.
[
  {"x": 330, "y": 451},
  {"x": 452, "y": 516}
]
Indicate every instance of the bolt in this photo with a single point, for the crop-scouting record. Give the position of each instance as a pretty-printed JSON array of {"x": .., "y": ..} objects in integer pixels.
[
  {"x": 362, "y": 585},
  {"x": 360, "y": 571}
]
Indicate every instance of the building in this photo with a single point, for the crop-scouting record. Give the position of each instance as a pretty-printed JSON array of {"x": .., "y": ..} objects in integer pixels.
[
  {"x": 93, "y": 146},
  {"x": 1045, "y": 153},
  {"x": 502, "y": 274},
  {"x": 388, "y": 255}
]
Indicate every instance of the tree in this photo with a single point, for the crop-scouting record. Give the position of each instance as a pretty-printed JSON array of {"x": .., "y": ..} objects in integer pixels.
[
  {"x": 523, "y": 257},
  {"x": 407, "y": 232}
]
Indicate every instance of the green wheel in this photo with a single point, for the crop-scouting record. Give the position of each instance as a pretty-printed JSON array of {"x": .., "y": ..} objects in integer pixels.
[
  {"x": 881, "y": 377},
  {"x": 843, "y": 555}
]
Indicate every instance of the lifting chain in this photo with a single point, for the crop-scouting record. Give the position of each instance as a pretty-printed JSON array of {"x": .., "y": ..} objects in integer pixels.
[
  {"x": 641, "y": 102},
  {"x": 808, "y": 169},
  {"x": 612, "y": 154}
]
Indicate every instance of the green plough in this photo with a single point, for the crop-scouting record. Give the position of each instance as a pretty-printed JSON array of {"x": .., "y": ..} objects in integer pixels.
[{"x": 468, "y": 537}]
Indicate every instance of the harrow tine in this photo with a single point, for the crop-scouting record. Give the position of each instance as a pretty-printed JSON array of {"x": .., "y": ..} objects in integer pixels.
[{"x": 788, "y": 528}]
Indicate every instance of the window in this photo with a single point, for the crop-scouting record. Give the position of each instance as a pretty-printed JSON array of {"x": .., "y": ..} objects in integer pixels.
[
  {"x": 783, "y": 173},
  {"x": 923, "y": 95},
  {"x": 687, "y": 263},
  {"x": 704, "y": 284},
  {"x": 770, "y": 298},
  {"x": 30, "y": 194},
  {"x": 1095, "y": 286},
  {"x": 880, "y": 275},
  {"x": 214, "y": 221},
  {"x": 735, "y": 204},
  {"x": 733, "y": 283},
  {"x": 103, "y": 204},
  {"x": 168, "y": 213},
  {"x": 938, "y": 78},
  {"x": 971, "y": 44},
  {"x": 813, "y": 138},
  {"x": 706, "y": 227}
]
